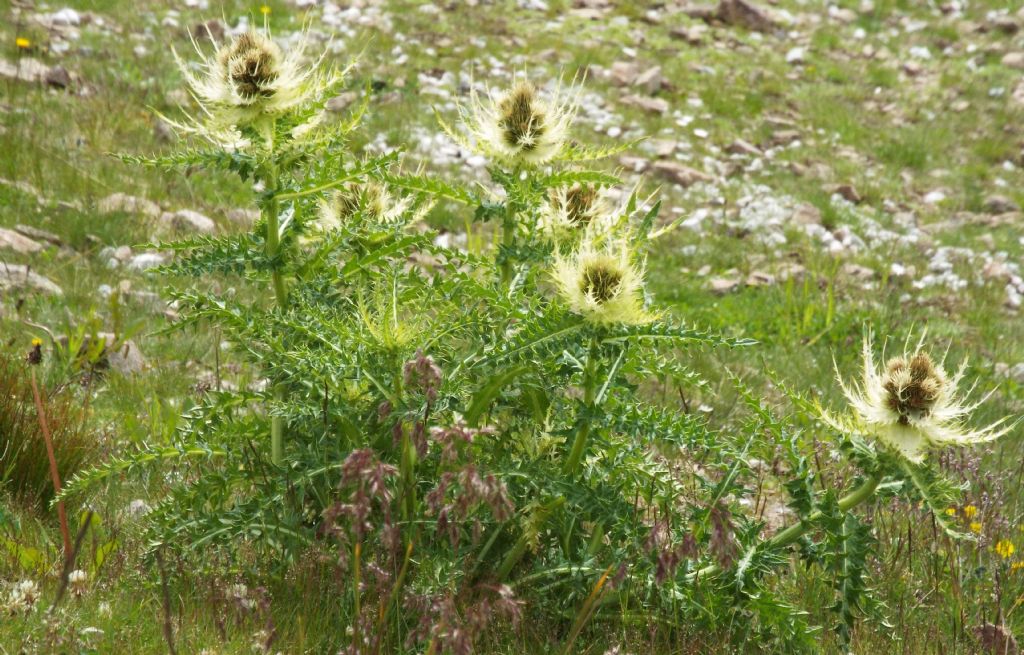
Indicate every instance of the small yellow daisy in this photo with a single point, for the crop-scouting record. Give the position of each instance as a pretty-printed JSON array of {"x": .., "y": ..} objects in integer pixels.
[
  {"x": 264, "y": 10},
  {"x": 970, "y": 511},
  {"x": 976, "y": 527},
  {"x": 22, "y": 42},
  {"x": 950, "y": 511},
  {"x": 36, "y": 341},
  {"x": 1004, "y": 548}
]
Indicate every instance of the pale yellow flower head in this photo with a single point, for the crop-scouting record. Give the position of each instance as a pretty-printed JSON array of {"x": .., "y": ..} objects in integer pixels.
[
  {"x": 910, "y": 405},
  {"x": 373, "y": 199},
  {"x": 570, "y": 210},
  {"x": 248, "y": 82},
  {"x": 517, "y": 126},
  {"x": 602, "y": 284}
]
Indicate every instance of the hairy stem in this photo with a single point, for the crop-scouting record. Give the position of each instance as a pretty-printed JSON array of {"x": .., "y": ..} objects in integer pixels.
[
  {"x": 508, "y": 231},
  {"x": 272, "y": 250},
  {"x": 579, "y": 444}
]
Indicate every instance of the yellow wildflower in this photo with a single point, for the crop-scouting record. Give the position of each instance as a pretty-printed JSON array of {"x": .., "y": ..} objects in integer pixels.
[
  {"x": 1004, "y": 548},
  {"x": 970, "y": 511},
  {"x": 950, "y": 511},
  {"x": 976, "y": 527},
  {"x": 264, "y": 10},
  {"x": 36, "y": 341},
  {"x": 1016, "y": 566},
  {"x": 22, "y": 42}
]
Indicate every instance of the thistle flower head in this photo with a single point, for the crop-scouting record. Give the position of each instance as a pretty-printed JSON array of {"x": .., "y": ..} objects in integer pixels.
[
  {"x": 603, "y": 285},
  {"x": 372, "y": 199},
  {"x": 911, "y": 405},
  {"x": 250, "y": 65},
  {"x": 249, "y": 81},
  {"x": 519, "y": 127},
  {"x": 570, "y": 210}
]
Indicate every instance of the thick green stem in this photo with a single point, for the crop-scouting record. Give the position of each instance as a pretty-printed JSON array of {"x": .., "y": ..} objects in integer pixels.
[
  {"x": 508, "y": 231},
  {"x": 508, "y": 235},
  {"x": 786, "y": 537},
  {"x": 272, "y": 250},
  {"x": 408, "y": 475},
  {"x": 579, "y": 444},
  {"x": 856, "y": 497}
]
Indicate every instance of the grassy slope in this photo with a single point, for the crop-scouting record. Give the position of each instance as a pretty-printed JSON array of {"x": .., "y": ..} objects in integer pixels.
[{"x": 935, "y": 592}]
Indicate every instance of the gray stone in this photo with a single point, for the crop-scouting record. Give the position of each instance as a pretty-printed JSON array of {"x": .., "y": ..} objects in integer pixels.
[
  {"x": 11, "y": 240},
  {"x": 997, "y": 204},
  {"x": 741, "y": 147},
  {"x": 746, "y": 14},
  {"x": 723, "y": 285},
  {"x": 679, "y": 174},
  {"x": 1014, "y": 60},
  {"x": 186, "y": 220},
  {"x": 652, "y": 105},
  {"x": 25, "y": 69},
  {"x": 17, "y": 276},
  {"x": 38, "y": 234},
  {"x": 807, "y": 214},
  {"x": 341, "y": 102},
  {"x": 122, "y": 202}
]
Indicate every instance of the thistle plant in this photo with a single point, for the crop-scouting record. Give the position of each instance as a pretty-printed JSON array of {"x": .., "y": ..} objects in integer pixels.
[
  {"x": 495, "y": 427},
  {"x": 266, "y": 105}
]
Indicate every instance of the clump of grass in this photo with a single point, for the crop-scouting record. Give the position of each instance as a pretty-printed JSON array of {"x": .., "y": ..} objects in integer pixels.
[{"x": 24, "y": 468}]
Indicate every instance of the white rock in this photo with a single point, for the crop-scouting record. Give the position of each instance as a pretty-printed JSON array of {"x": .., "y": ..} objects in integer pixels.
[
  {"x": 17, "y": 276},
  {"x": 187, "y": 220},
  {"x": 122, "y": 202},
  {"x": 66, "y": 16},
  {"x": 147, "y": 260},
  {"x": 11, "y": 240}
]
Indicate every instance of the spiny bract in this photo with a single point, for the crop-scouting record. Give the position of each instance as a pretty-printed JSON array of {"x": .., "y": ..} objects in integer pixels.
[{"x": 571, "y": 210}]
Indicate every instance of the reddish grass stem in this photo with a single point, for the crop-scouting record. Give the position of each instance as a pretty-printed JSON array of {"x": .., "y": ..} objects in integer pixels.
[{"x": 54, "y": 473}]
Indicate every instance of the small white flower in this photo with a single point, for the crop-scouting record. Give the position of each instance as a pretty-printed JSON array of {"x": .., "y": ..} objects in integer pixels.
[
  {"x": 517, "y": 126},
  {"x": 602, "y": 284},
  {"x": 104, "y": 610},
  {"x": 261, "y": 641},
  {"x": 240, "y": 594},
  {"x": 911, "y": 405},
  {"x": 78, "y": 582},
  {"x": 138, "y": 508},
  {"x": 23, "y": 597}
]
